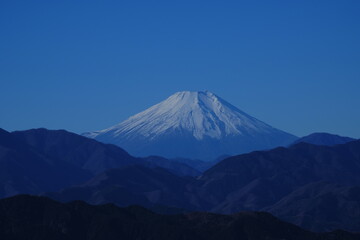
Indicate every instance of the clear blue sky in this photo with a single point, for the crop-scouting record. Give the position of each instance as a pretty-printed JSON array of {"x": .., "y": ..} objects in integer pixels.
[{"x": 86, "y": 65}]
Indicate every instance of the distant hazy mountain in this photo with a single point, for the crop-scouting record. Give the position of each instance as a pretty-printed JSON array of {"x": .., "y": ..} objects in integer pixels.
[
  {"x": 37, "y": 218},
  {"x": 197, "y": 164},
  {"x": 197, "y": 125},
  {"x": 325, "y": 139},
  {"x": 183, "y": 167}
]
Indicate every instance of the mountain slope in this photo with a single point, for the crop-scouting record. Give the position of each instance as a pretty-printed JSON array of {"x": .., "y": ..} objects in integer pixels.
[
  {"x": 178, "y": 167},
  {"x": 27, "y": 217},
  {"x": 259, "y": 179},
  {"x": 197, "y": 125},
  {"x": 131, "y": 185},
  {"x": 325, "y": 139},
  {"x": 89, "y": 154},
  {"x": 321, "y": 206},
  {"x": 25, "y": 170},
  {"x": 254, "y": 181},
  {"x": 41, "y": 160},
  {"x": 69, "y": 147}
]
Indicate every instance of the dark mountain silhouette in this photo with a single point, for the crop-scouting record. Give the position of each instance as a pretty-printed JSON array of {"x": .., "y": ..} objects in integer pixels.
[
  {"x": 325, "y": 139},
  {"x": 131, "y": 185},
  {"x": 200, "y": 165},
  {"x": 254, "y": 181},
  {"x": 41, "y": 160},
  {"x": 38, "y": 218},
  {"x": 25, "y": 170},
  {"x": 182, "y": 168},
  {"x": 89, "y": 154},
  {"x": 259, "y": 179},
  {"x": 75, "y": 149},
  {"x": 321, "y": 206}
]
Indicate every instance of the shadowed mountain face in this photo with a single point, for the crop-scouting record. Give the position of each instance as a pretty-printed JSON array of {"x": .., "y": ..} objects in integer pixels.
[
  {"x": 26, "y": 217},
  {"x": 254, "y": 181},
  {"x": 92, "y": 155},
  {"x": 41, "y": 160},
  {"x": 195, "y": 125},
  {"x": 324, "y": 139},
  {"x": 321, "y": 206},
  {"x": 131, "y": 185},
  {"x": 181, "y": 168},
  {"x": 68, "y": 147},
  {"x": 259, "y": 179},
  {"x": 25, "y": 170},
  {"x": 46, "y": 161}
]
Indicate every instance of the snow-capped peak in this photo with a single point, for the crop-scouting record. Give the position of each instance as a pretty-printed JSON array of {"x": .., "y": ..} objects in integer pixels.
[{"x": 202, "y": 114}]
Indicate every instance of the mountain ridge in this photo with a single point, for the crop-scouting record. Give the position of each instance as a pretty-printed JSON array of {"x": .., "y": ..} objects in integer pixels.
[
  {"x": 248, "y": 182},
  {"x": 323, "y": 138},
  {"x": 41, "y": 160}
]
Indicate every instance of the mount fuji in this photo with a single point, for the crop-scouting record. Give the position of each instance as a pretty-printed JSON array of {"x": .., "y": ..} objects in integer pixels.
[{"x": 197, "y": 125}]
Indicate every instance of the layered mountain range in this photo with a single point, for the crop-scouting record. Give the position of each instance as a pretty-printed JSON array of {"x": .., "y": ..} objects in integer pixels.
[
  {"x": 40, "y": 160},
  {"x": 313, "y": 181},
  {"x": 196, "y": 125},
  {"x": 310, "y": 185}
]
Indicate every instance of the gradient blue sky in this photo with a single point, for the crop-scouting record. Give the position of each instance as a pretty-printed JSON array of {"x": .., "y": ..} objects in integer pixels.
[{"x": 86, "y": 65}]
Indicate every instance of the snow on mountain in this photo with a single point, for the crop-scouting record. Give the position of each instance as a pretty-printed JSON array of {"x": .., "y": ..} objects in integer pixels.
[
  {"x": 201, "y": 113},
  {"x": 200, "y": 120}
]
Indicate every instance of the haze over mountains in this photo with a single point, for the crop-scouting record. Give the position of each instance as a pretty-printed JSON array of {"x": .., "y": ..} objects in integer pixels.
[
  {"x": 284, "y": 181},
  {"x": 197, "y": 125},
  {"x": 312, "y": 181},
  {"x": 255, "y": 181},
  {"x": 325, "y": 139}
]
